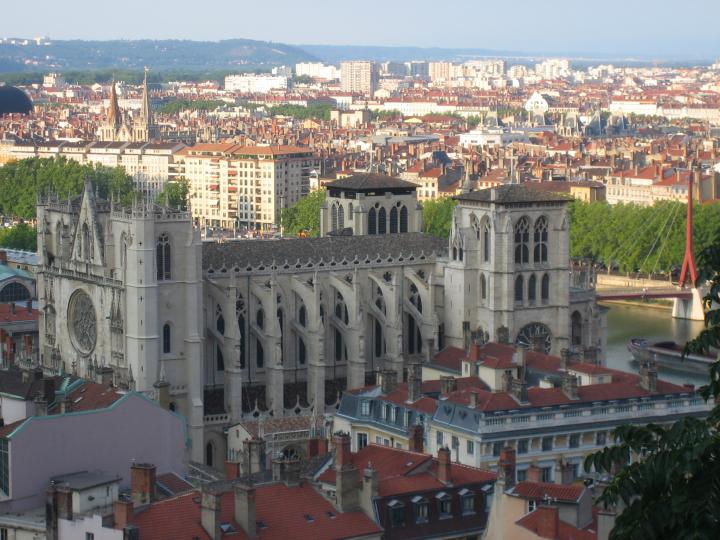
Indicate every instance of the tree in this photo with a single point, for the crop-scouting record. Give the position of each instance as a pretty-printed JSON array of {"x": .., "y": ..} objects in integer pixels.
[
  {"x": 22, "y": 181},
  {"x": 304, "y": 217},
  {"x": 303, "y": 79},
  {"x": 673, "y": 490},
  {"x": 175, "y": 193},
  {"x": 437, "y": 216},
  {"x": 21, "y": 236}
]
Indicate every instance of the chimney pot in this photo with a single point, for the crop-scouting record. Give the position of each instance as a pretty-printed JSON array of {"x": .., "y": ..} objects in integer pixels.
[
  {"x": 142, "y": 483},
  {"x": 245, "y": 508},
  {"x": 123, "y": 513},
  {"x": 416, "y": 436},
  {"x": 444, "y": 473}
]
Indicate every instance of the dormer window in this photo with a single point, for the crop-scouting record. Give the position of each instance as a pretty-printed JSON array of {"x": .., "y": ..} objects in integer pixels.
[
  {"x": 420, "y": 509},
  {"x": 365, "y": 408},
  {"x": 444, "y": 501},
  {"x": 467, "y": 501},
  {"x": 397, "y": 514}
]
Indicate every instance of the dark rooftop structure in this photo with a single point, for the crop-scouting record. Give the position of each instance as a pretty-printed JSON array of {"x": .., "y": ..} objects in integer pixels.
[
  {"x": 370, "y": 184},
  {"x": 330, "y": 250},
  {"x": 14, "y": 100},
  {"x": 514, "y": 193}
]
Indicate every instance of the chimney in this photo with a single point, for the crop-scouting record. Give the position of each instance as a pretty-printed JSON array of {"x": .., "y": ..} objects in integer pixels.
[
  {"x": 416, "y": 438},
  {"x": 564, "y": 359},
  {"x": 342, "y": 450},
  {"x": 66, "y": 404},
  {"x": 564, "y": 472},
  {"x": 605, "y": 523},
  {"x": 534, "y": 474},
  {"x": 648, "y": 376},
  {"x": 286, "y": 470},
  {"x": 448, "y": 384},
  {"x": 473, "y": 399},
  {"x": 370, "y": 480},
  {"x": 346, "y": 477},
  {"x": 232, "y": 469},
  {"x": 547, "y": 524},
  {"x": 506, "y": 466},
  {"x": 210, "y": 512},
  {"x": 142, "y": 483},
  {"x": 520, "y": 356},
  {"x": 122, "y": 512},
  {"x": 414, "y": 382},
  {"x": 569, "y": 386},
  {"x": 104, "y": 375},
  {"x": 41, "y": 405},
  {"x": 444, "y": 473},
  {"x": 162, "y": 389},
  {"x": 474, "y": 352},
  {"x": 58, "y": 505},
  {"x": 3, "y": 257},
  {"x": 245, "y": 508},
  {"x": 388, "y": 380},
  {"x": 253, "y": 455}
]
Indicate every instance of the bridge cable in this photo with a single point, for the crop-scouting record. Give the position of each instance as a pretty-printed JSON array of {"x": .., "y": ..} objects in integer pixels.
[
  {"x": 657, "y": 238},
  {"x": 627, "y": 247},
  {"x": 667, "y": 237}
]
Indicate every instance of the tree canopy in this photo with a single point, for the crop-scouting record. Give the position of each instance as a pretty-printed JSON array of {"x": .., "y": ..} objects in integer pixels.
[
  {"x": 437, "y": 216},
  {"x": 21, "y": 236},
  {"x": 314, "y": 112},
  {"x": 174, "y": 107},
  {"x": 175, "y": 193},
  {"x": 304, "y": 217},
  {"x": 22, "y": 181},
  {"x": 672, "y": 489},
  {"x": 639, "y": 238}
]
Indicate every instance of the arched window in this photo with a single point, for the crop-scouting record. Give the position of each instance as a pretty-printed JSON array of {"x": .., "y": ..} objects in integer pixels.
[
  {"x": 14, "y": 292},
  {"x": 209, "y": 454},
  {"x": 219, "y": 320},
  {"x": 540, "y": 252},
  {"x": 393, "y": 219},
  {"x": 576, "y": 328},
  {"x": 460, "y": 253},
  {"x": 414, "y": 340},
  {"x": 522, "y": 239},
  {"x": 415, "y": 299},
  {"x": 475, "y": 224},
  {"x": 380, "y": 300},
  {"x": 403, "y": 219},
  {"x": 486, "y": 241},
  {"x": 454, "y": 253},
  {"x": 378, "y": 340},
  {"x": 58, "y": 240},
  {"x": 302, "y": 315},
  {"x": 340, "y": 217},
  {"x": 382, "y": 221},
  {"x": 334, "y": 217},
  {"x": 338, "y": 345},
  {"x": 350, "y": 213},
  {"x": 219, "y": 358},
  {"x": 372, "y": 221},
  {"x": 259, "y": 354},
  {"x": 483, "y": 287},
  {"x": 532, "y": 289},
  {"x": 282, "y": 334},
  {"x": 163, "y": 257},
  {"x": 341, "y": 311},
  {"x": 166, "y": 338},
  {"x": 545, "y": 289},
  {"x": 260, "y": 318},
  {"x": 519, "y": 290},
  {"x": 302, "y": 352},
  {"x": 87, "y": 250}
]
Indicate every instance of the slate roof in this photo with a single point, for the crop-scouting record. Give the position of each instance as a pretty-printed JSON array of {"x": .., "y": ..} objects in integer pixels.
[
  {"x": 245, "y": 253},
  {"x": 514, "y": 193},
  {"x": 370, "y": 182}
]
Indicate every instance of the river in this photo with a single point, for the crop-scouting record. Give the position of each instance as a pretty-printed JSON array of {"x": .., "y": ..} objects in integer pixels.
[{"x": 625, "y": 322}]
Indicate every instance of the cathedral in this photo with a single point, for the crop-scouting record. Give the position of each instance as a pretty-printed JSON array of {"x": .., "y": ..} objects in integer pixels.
[
  {"x": 120, "y": 127},
  {"x": 257, "y": 328}
]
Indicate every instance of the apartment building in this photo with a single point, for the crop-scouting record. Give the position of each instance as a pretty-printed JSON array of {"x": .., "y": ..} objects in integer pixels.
[
  {"x": 359, "y": 76},
  {"x": 255, "y": 84},
  {"x": 233, "y": 185}
]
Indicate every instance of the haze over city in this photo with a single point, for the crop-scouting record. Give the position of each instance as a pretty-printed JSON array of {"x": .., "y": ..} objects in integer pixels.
[{"x": 660, "y": 29}]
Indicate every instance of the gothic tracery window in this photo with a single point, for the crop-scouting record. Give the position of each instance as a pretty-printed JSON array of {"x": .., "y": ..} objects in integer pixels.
[
  {"x": 486, "y": 241},
  {"x": 519, "y": 286},
  {"x": 532, "y": 289},
  {"x": 372, "y": 221},
  {"x": 166, "y": 338},
  {"x": 163, "y": 257},
  {"x": 393, "y": 220},
  {"x": 382, "y": 221},
  {"x": 541, "y": 238},
  {"x": 403, "y": 219},
  {"x": 545, "y": 289},
  {"x": 415, "y": 298},
  {"x": 522, "y": 240}
]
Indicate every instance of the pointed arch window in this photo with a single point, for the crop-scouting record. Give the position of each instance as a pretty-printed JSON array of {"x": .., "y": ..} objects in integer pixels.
[
  {"x": 483, "y": 287},
  {"x": 382, "y": 221},
  {"x": 486, "y": 241},
  {"x": 415, "y": 298},
  {"x": 340, "y": 217},
  {"x": 219, "y": 320},
  {"x": 219, "y": 358},
  {"x": 522, "y": 240},
  {"x": 163, "y": 257},
  {"x": 260, "y": 318},
  {"x": 519, "y": 285},
  {"x": 334, "y": 217},
  {"x": 540, "y": 252},
  {"x": 403, "y": 219},
  {"x": 393, "y": 220},
  {"x": 341, "y": 310},
  {"x": 282, "y": 333},
  {"x": 372, "y": 221},
  {"x": 259, "y": 354},
  {"x": 166, "y": 338},
  {"x": 545, "y": 289},
  {"x": 240, "y": 316},
  {"x": 532, "y": 289},
  {"x": 302, "y": 315},
  {"x": 302, "y": 352}
]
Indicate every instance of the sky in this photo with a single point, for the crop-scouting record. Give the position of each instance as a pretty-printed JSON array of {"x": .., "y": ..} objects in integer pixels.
[{"x": 649, "y": 28}]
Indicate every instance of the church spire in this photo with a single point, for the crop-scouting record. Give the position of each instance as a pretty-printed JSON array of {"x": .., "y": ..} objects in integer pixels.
[
  {"x": 145, "y": 107},
  {"x": 114, "y": 116}
]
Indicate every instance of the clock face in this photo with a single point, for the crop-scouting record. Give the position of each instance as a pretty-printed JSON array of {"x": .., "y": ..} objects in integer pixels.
[
  {"x": 530, "y": 333},
  {"x": 82, "y": 322}
]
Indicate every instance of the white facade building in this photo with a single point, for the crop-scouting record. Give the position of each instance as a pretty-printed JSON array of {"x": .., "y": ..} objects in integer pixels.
[{"x": 255, "y": 84}]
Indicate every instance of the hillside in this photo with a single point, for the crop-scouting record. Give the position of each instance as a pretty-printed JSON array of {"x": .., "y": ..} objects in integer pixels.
[{"x": 239, "y": 54}]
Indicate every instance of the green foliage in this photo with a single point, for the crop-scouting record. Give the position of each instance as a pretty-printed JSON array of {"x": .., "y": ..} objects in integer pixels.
[
  {"x": 437, "y": 216},
  {"x": 303, "y": 79},
  {"x": 175, "y": 193},
  {"x": 22, "y": 181},
  {"x": 473, "y": 121},
  {"x": 639, "y": 238},
  {"x": 304, "y": 217},
  {"x": 385, "y": 115},
  {"x": 673, "y": 491},
  {"x": 21, "y": 236},
  {"x": 174, "y": 107},
  {"x": 315, "y": 112}
]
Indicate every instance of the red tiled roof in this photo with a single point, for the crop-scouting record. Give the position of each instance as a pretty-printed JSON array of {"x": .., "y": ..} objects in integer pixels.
[
  {"x": 542, "y": 490},
  {"x": 280, "y": 508},
  {"x": 20, "y": 313},
  {"x": 7, "y": 429},
  {"x": 565, "y": 531},
  {"x": 174, "y": 483},
  {"x": 91, "y": 396},
  {"x": 450, "y": 358}
]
